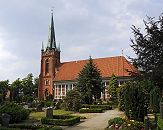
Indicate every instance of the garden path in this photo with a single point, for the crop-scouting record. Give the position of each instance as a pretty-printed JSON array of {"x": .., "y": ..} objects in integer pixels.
[{"x": 99, "y": 122}]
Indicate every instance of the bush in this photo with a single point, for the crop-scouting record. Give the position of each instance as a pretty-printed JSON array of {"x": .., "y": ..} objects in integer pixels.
[
  {"x": 116, "y": 120},
  {"x": 72, "y": 101},
  {"x": 119, "y": 123},
  {"x": 85, "y": 106},
  {"x": 49, "y": 103},
  {"x": 103, "y": 107},
  {"x": 16, "y": 112},
  {"x": 93, "y": 110},
  {"x": 51, "y": 128},
  {"x": 62, "y": 120},
  {"x": 25, "y": 126},
  {"x": 33, "y": 127}
]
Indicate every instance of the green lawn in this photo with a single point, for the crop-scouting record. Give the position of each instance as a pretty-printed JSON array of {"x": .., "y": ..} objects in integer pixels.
[{"x": 39, "y": 115}]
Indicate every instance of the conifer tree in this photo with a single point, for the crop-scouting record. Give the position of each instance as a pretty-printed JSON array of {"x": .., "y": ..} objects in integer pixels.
[
  {"x": 89, "y": 82},
  {"x": 148, "y": 47},
  {"x": 112, "y": 88}
]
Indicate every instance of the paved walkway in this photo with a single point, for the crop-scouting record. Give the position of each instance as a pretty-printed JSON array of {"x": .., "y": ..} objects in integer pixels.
[{"x": 98, "y": 122}]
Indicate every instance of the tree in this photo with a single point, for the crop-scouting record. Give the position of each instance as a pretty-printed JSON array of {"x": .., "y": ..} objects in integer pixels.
[
  {"x": 112, "y": 88},
  {"x": 154, "y": 99},
  {"x": 15, "y": 89},
  {"x": 148, "y": 47},
  {"x": 27, "y": 83},
  {"x": 72, "y": 101},
  {"x": 134, "y": 101},
  {"x": 4, "y": 85},
  {"x": 89, "y": 82}
]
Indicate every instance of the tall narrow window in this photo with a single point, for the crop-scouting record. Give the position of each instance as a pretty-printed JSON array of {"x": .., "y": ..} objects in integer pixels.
[{"x": 47, "y": 66}]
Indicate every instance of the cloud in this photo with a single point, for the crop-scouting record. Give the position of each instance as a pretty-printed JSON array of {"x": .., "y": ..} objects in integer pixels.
[{"x": 99, "y": 28}]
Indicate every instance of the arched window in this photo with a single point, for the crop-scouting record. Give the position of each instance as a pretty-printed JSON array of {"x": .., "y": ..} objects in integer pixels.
[{"x": 46, "y": 66}]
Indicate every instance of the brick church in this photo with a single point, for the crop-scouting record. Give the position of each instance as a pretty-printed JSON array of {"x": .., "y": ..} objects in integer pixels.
[{"x": 57, "y": 77}]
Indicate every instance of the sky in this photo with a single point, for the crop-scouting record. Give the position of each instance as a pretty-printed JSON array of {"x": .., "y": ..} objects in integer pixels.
[{"x": 97, "y": 28}]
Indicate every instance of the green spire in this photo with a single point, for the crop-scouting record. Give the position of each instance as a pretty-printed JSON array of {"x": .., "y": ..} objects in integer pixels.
[{"x": 51, "y": 38}]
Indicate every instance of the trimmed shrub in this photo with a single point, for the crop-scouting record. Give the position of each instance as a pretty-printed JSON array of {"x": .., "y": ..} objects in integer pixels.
[
  {"x": 17, "y": 112},
  {"x": 33, "y": 127},
  {"x": 25, "y": 126},
  {"x": 62, "y": 120},
  {"x": 103, "y": 107},
  {"x": 85, "y": 106},
  {"x": 91, "y": 110},
  {"x": 51, "y": 128}
]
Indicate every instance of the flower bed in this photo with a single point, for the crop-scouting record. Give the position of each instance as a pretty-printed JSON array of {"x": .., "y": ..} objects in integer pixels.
[{"x": 122, "y": 124}]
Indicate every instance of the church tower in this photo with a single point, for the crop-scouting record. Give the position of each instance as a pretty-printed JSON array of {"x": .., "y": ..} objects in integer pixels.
[{"x": 50, "y": 61}]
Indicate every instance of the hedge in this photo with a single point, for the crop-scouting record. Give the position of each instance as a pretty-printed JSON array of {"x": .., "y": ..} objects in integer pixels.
[
  {"x": 94, "y": 110},
  {"x": 61, "y": 120},
  {"x": 30, "y": 127},
  {"x": 104, "y": 107}
]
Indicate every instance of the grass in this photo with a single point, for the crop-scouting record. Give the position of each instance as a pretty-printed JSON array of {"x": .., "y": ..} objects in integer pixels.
[{"x": 39, "y": 115}]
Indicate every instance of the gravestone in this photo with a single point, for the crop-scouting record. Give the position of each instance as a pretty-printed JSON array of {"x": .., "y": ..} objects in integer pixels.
[
  {"x": 39, "y": 107},
  {"x": 161, "y": 110},
  {"x": 49, "y": 112},
  {"x": 5, "y": 119}
]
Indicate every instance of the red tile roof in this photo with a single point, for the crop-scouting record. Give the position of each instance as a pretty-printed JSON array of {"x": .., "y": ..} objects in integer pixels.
[{"x": 107, "y": 67}]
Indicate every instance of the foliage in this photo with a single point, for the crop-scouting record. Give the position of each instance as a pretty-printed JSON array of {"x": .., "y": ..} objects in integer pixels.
[
  {"x": 123, "y": 124},
  {"x": 72, "y": 101},
  {"x": 148, "y": 47},
  {"x": 15, "y": 90},
  {"x": 121, "y": 90},
  {"x": 17, "y": 112},
  {"x": 61, "y": 120},
  {"x": 159, "y": 122},
  {"x": 33, "y": 127},
  {"x": 154, "y": 99},
  {"x": 89, "y": 82},
  {"x": 58, "y": 104},
  {"x": 90, "y": 110},
  {"x": 116, "y": 120},
  {"x": 134, "y": 99},
  {"x": 4, "y": 85},
  {"x": 103, "y": 107},
  {"x": 112, "y": 88}
]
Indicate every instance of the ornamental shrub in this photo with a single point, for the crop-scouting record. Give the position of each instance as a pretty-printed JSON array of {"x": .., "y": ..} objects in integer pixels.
[
  {"x": 91, "y": 110},
  {"x": 154, "y": 99},
  {"x": 61, "y": 120},
  {"x": 17, "y": 112}
]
